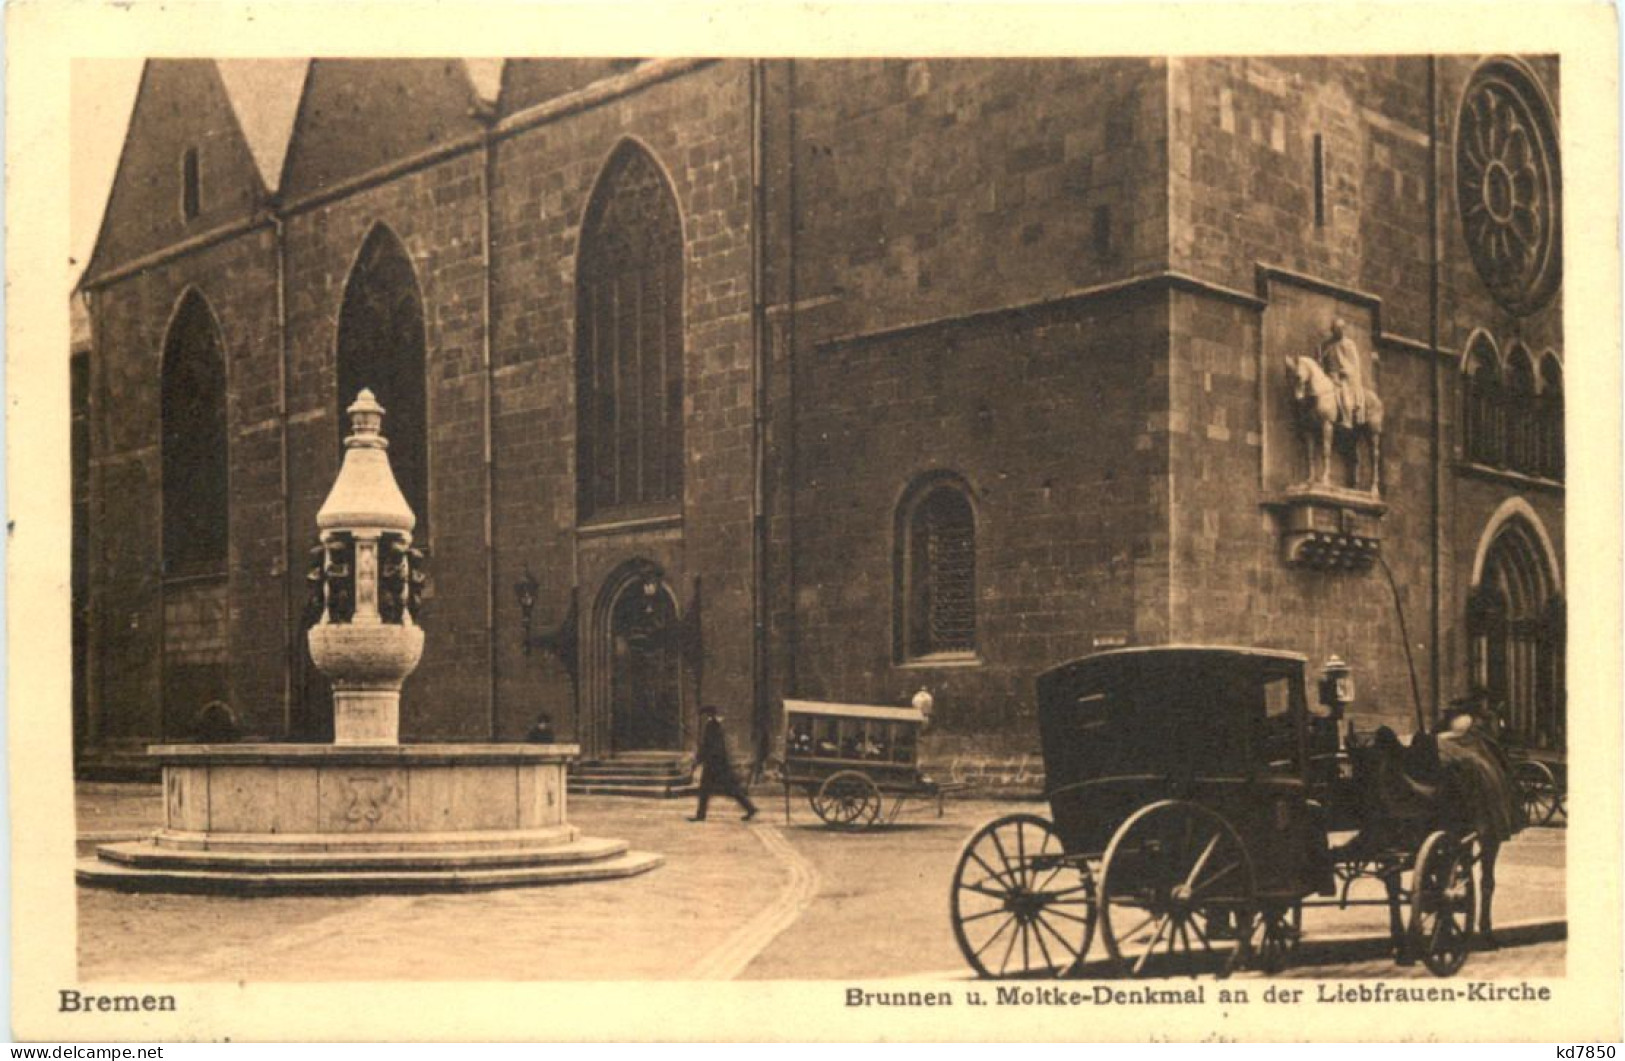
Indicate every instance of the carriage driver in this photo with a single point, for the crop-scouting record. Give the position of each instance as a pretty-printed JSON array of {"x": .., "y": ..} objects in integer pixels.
[{"x": 1340, "y": 360}]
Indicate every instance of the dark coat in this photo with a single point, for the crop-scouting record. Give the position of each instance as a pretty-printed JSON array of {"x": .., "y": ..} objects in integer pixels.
[{"x": 713, "y": 758}]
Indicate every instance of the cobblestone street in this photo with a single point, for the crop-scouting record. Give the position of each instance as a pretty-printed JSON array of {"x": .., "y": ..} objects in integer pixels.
[{"x": 771, "y": 900}]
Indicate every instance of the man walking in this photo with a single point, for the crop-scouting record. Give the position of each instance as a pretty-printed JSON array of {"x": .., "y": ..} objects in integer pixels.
[{"x": 717, "y": 772}]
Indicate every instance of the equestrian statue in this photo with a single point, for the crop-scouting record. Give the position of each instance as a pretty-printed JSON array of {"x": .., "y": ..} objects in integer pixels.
[{"x": 1334, "y": 403}]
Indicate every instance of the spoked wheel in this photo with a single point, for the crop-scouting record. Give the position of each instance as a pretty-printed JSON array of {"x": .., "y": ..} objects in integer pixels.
[
  {"x": 1278, "y": 929},
  {"x": 847, "y": 800},
  {"x": 1444, "y": 903},
  {"x": 1020, "y": 906},
  {"x": 1537, "y": 791},
  {"x": 1173, "y": 869}
]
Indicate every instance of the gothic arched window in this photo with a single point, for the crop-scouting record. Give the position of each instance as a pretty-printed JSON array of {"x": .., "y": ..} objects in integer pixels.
[
  {"x": 1551, "y": 417},
  {"x": 194, "y": 447},
  {"x": 936, "y": 591},
  {"x": 1522, "y": 421},
  {"x": 629, "y": 342},
  {"x": 382, "y": 346},
  {"x": 1483, "y": 422}
]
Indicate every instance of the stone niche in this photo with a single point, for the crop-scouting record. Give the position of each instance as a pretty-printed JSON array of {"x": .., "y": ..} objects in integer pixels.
[{"x": 1328, "y": 518}]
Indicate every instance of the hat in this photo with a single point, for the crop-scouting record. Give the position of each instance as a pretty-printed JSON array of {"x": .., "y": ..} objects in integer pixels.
[{"x": 709, "y": 710}]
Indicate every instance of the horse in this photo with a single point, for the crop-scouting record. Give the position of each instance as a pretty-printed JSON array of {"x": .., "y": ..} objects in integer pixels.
[
  {"x": 1408, "y": 792},
  {"x": 1314, "y": 395}
]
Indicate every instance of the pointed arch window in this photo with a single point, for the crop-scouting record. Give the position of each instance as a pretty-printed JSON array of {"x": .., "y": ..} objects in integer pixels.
[
  {"x": 1483, "y": 422},
  {"x": 1521, "y": 417},
  {"x": 936, "y": 592},
  {"x": 382, "y": 345},
  {"x": 194, "y": 447},
  {"x": 629, "y": 343},
  {"x": 1516, "y": 632},
  {"x": 1551, "y": 418}
]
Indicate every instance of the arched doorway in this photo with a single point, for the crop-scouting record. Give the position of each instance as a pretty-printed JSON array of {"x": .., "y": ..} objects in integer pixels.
[
  {"x": 645, "y": 668},
  {"x": 1516, "y": 624}
]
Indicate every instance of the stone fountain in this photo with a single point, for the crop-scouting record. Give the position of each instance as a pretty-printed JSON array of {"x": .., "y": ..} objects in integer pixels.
[{"x": 365, "y": 813}]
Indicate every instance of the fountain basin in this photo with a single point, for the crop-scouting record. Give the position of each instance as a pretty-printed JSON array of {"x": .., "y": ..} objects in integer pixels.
[{"x": 317, "y": 817}]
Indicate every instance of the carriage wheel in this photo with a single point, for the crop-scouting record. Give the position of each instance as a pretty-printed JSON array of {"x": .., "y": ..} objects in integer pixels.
[
  {"x": 1537, "y": 791},
  {"x": 1444, "y": 903},
  {"x": 848, "y": 799},
  {"x": 1020, "y": 907},
  {"x": 1172, "y": 869},
  {"x": 1280, "y": 927}
]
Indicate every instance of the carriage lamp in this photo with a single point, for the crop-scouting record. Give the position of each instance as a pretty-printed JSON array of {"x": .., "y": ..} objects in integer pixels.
[
  {"x": 1337, "y": 685},
  {"x": 923, "y": 703}
]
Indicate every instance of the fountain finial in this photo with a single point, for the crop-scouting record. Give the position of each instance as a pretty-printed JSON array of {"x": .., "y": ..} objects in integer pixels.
[
  {"x": 365, "y": 497},
  {"x": 366, "y": 421}
]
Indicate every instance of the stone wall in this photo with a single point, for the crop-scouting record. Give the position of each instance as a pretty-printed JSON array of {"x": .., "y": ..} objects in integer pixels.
[
  {"x": 238, "y": 279},
  {"x": 697, "y": 129},
  {"x": 1044, "y": 415},
  {"x": 965, "y": 267},
  {"x": 1243, "y": 192}
]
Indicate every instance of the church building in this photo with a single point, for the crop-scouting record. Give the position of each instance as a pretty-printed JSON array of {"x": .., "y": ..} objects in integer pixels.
[{"x": 721, "y": 382}]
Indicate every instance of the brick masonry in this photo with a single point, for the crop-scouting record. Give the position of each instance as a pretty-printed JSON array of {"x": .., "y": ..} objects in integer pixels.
[{"x": 1042, "y": 276}]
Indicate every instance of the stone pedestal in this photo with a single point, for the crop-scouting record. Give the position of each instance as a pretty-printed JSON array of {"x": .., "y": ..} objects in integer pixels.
[
  {"x": 1330, "y": 528},
  {"x": 326, "y": 818}
]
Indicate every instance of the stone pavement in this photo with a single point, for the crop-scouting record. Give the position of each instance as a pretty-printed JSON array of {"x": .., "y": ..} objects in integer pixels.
[{"x": 768, "y": 900}]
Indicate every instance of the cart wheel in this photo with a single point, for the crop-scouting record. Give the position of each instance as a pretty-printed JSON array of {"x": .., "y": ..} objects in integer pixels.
[
  {"x": 1275, "y": 941},
  {"x": 1444, "y": 903},
  {"x": 1172, "y": 868},
  {"x": 1537, "y": 790},
  {"x": 847, "y": 800},
  {"x": 1020, "y": 906}
]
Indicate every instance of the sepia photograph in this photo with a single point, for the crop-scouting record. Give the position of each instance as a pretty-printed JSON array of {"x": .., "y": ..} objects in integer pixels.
[{"x": 930, "y": 530}]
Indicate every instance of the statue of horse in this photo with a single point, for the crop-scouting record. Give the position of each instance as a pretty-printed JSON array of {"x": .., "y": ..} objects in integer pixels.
[{"x": 1314, "y": 395}]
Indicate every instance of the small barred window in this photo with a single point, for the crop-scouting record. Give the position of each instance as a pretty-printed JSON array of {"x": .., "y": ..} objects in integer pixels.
[{"x": 939, "y": 574}]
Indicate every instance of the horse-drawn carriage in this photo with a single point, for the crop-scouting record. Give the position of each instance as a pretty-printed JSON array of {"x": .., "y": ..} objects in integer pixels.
[
  {"x": 1194, "y": 796},
  {"x": 850, "y": 759}
]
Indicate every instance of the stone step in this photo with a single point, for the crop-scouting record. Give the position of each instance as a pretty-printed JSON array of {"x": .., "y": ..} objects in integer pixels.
[
  {"x": 148, "y": 855},
  {"x": 667, "y": 791},
  {"x": 101, "y": 874},
  {"x": 631, "y": 770},
  {"x": 300, "y": 843},
  {"x": 620, "y": 777}
]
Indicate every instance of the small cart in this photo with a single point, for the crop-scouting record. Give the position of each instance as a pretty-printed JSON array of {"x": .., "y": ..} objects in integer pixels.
[
  {"x": 857, "y": 764},
  {"x": 1542, "y": 778}
]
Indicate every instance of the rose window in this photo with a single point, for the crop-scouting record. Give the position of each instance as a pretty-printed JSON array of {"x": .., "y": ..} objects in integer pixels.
[{"x": 1507, "y": 186}]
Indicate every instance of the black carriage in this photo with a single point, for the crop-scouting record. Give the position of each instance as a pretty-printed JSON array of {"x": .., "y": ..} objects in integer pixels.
[
  {"x": 1193, "y": 794},
  {"x": 857, "y": 764}
]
